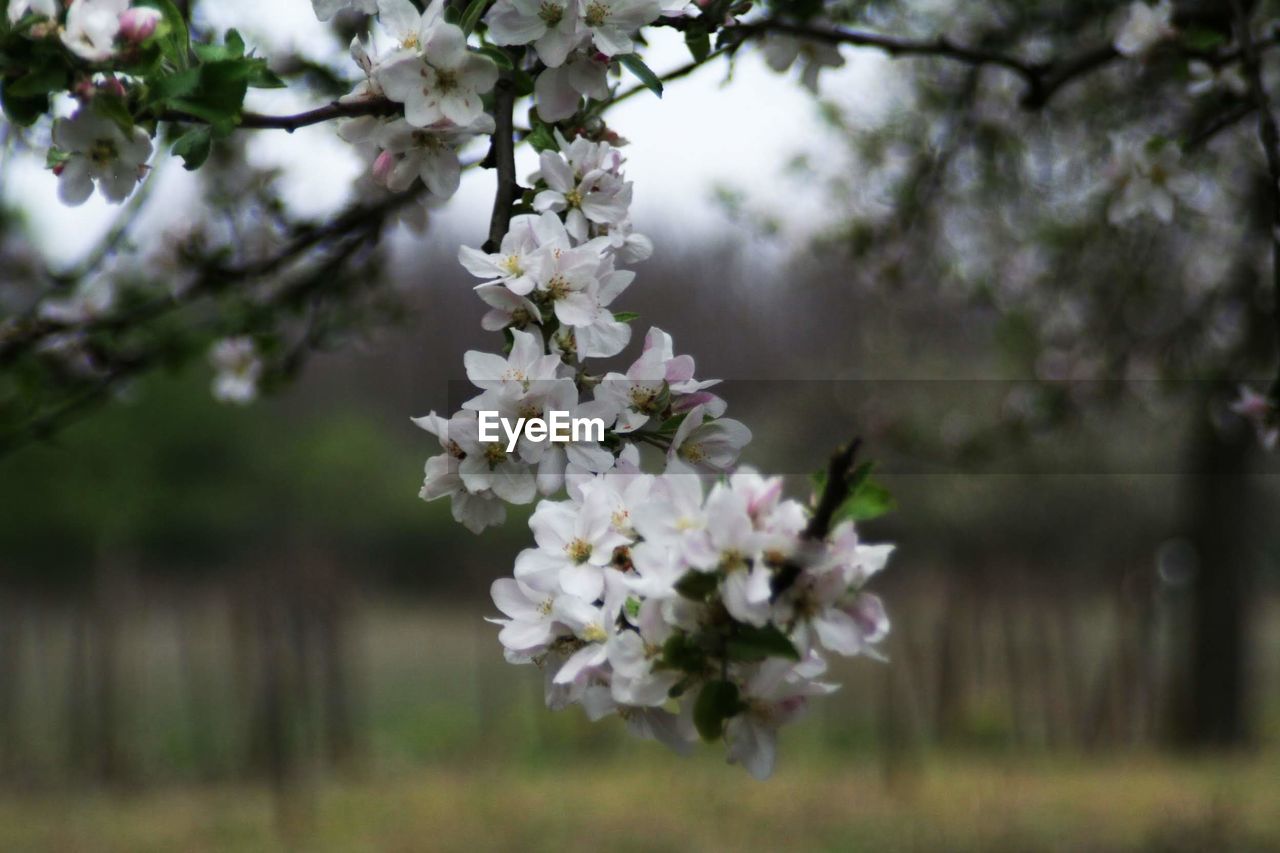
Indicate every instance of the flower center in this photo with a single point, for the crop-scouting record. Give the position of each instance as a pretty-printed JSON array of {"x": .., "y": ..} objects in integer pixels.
[
  {"x": 550, "y": 13},
  {"x": 102, "y": 152},
  {"x": 594, "y": 634},
  {"x": 428, "y": 141},
  {"x": 573, "y": 198},
  {"x": 597, "y": 13},
  {"x": 579, "y": 550},
  {"x": 693, "y": 452},
  {"x": 558, "y": 287},
  {"x": 511, "y": 263},
  {"x": 446, "y": 81},
  {"x": 493, "y": 453}
]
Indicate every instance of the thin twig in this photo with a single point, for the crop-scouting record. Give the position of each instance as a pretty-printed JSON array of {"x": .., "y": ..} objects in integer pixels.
[{"x": 329, "y": 112}]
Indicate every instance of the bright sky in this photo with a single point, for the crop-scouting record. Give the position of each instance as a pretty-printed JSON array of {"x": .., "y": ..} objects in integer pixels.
[{"x": 701, "y": 134}]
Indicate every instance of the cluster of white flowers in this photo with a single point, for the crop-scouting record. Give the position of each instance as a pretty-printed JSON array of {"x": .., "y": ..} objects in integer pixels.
[
  {"x": 430, "y": 70},
  {"x": 94, "y": 29},
  {"x": 642, "y": 594},
  {"x": 688, "y": 601}
]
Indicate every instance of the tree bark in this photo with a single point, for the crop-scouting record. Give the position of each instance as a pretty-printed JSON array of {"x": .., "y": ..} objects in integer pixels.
[{"x": 1214, "y": 707}]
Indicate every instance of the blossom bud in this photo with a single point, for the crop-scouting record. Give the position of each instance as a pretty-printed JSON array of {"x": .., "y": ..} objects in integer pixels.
[
  {"x": 112, "y": 86},
  {"x": 382, "y": 167},
  {"x": 138, "y": 24}
]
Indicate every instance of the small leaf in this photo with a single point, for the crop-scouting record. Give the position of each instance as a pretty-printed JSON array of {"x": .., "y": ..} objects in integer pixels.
[
  {"x": 22, "y": 110},
  {"x": 681, "y": 652},
  {"x": 499, "y": 56},
  {"x": 750, "y": 643},
  {"x": 636, "y": 66},
  {"x": 542, "y": 139},
  {"x": 523, "y": 81},
  {"x": 115, "y": 109},
  {"x": 471, "y": 16},
  {"x": 671, "y": 424},
  {"x": 1202, "y": 38},
  {"x": 174, "y": 38},
  {"x": 39, "y": 82},
  {"x": 193, "y": 147},
  {"x": 697, "y": 585},
  {"x": 699, "y": 44},
  {"x": 871, "y": 500},
  {"x": 625, "y": 316},
  {"x": 717, "y": 702}
]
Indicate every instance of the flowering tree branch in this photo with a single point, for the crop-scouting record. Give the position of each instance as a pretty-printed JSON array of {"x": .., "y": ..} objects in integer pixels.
[{"x": 319, "y": 115}]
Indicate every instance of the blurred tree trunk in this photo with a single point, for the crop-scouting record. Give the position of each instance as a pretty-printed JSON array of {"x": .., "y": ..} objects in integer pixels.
[{"x": 1213, "y": 710}]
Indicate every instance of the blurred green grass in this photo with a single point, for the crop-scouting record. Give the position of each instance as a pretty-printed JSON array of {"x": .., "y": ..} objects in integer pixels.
[{"x": 639, "y": 800}]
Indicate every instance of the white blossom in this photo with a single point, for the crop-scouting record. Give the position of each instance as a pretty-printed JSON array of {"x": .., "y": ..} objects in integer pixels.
[
  {"x": 1144, "y": 27},
  {"x": 92, "y": 26},
  {"x": 238, "y": 369},
  {"x": 326, "y": 9},
  {"x": 782, "y": 51},
  {"x": 98, "y": 150},
  {"x": 18, "y": 9}
]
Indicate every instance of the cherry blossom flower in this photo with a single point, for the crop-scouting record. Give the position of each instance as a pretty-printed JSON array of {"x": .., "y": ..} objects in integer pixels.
[
  {"x": 92, "y": 26},
  {"x": 1151, "y": 180},
  {"x": 98, "y": 150},
  {"x": 238, "y": 370},
  {"x": 433, "y": 73},
  {"x": 18, "y": 9},
  {"x": 583, "y": 197},
  {"x": 560, "y": 88},
  {"x": 1206, "y": 78},
  {"x": 783, "y": 51},
  {"x": 1260, "y": 411},
  {"x": 326, "y": 9},
  {"x": 708, "y": 445},
  {"x": 551, "y": 26},
  {"x": 775, "y": 694},
  {"x": 1144, "y": 28},
  {"x": 612, "y": 22}
]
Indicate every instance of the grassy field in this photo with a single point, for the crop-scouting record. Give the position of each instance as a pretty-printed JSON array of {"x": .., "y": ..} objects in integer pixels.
[{"x": 651, "y": 802}]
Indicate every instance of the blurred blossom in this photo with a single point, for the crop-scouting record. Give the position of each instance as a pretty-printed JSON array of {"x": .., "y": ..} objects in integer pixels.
[
  {"x": 1144, "y": 28},
  {"x": 238, "y": 369}
]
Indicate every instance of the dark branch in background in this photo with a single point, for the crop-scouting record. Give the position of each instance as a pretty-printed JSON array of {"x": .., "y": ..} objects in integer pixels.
[
  {"x": 834, "y": 493},
  {"x": 502, "y": 157},
  {"x": 329, "y": 112},
  {"x": 1221, "y": 122},
  {"x": 1269, "y": 136}
]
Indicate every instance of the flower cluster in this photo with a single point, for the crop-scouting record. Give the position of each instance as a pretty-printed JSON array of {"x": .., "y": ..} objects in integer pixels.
[
  {"x": 439, "y": 80},
  {"x": 575, "y": 41},
  {"x": 687, "y": 613},
  {"x": 693, "y": 601}
]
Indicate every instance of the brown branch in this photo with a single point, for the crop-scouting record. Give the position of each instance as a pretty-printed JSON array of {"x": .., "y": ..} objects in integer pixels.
[
  {"x": 502, "y": 156},
  {"x": 329, "y": 112},
  {"x": 834, "y": 493}
]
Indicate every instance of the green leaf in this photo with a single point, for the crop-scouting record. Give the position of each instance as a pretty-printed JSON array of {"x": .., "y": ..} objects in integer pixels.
[
  {"x": 542, "y": 139},
  {"x": 682, "y": 652},
  {"x": 39, "y": 82},
  {"x": 870, "y": 500},
  {"x": 263, "y": 77},
  {"x": 193, "y": 147},
  {"x": 699, "y": 44},
  {"x": 1202, "y": 38},
  {"x": 671, "y": 424},
  {"x": 177, "y": 85},
  {"x": 636, "y": 66},
  {"x": 632, "y": 606},
  {"x": 115, "y": 109},
  {"x": 625, "y": 316},
  {"x": 523, "y": 81},
  {"x": 697, "y": 585},
  {"x": 717, "y": 702},
  {"x": 172, "y": 34},
  {"x": 22, "y": 110},
  {"x": 471, "y": 16},
  {"x": 499, "y": 56},
  {"x": 755, "y": 644}
]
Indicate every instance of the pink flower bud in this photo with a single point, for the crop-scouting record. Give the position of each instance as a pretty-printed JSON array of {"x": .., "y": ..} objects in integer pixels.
[
  {"x": 382, "y": 167},
  {"x": 113, "y": 86},
  {"x": 57, "y": 169},
  {"x": 137, "y": 24}
]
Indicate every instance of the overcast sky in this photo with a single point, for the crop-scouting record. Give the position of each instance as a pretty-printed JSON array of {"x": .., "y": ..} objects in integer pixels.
[{"x": 704, "y": 132}]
